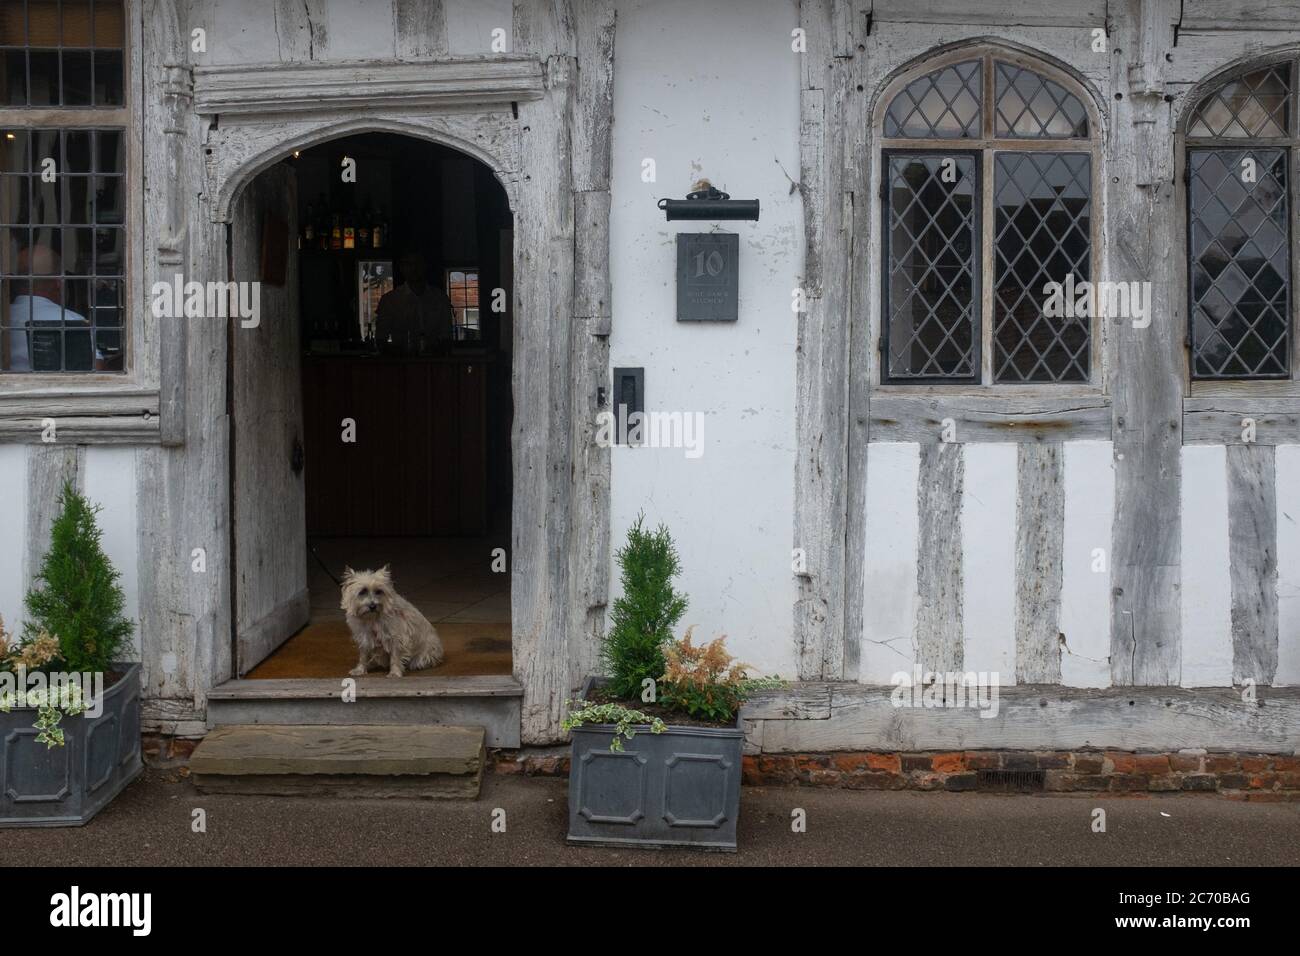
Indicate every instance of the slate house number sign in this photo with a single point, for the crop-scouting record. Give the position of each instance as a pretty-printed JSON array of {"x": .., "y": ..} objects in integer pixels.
[{"x": 707, "y": 276}]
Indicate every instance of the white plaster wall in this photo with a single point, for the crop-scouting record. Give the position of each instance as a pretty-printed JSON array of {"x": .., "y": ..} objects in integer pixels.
[
  {"x": 110, "y": 483},
  {"x": 988, "y": 544},
  {"x": 889, "y": 572},
  {"x": 1287, "y": 463},
  {"x": 250, "y": 31},
  {"x": 1085, "y": 563},
  {"x": 13, "y": 533},
  {"x": 707, "y": 93},
  {"x": 470, "y": 24}
]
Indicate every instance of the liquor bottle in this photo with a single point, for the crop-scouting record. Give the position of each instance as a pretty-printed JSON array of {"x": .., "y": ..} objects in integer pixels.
[
  {"x": 349, "y": 230},
  {"x": 336, "y": 232},
  {"x": 322, "y": 224},
  {"x": 379, "y": 230},
  {"x": 363, "y": 226},
  {"x": 308, "y": 229}
]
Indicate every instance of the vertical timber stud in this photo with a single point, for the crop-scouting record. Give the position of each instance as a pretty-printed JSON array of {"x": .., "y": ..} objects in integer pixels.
[
  {"x": 1040, "y": 538},
  {"x": 182, "y": 494},
  {"x": 854, "y": 92},
  {"x": 939, "y": 626},
  {"x": 419, "y": 29},
  {"x": 48, "y": 467},
  {"x": 1252, "y": 549},
  {"x": 1144, "y": 362},
  {"x": 823, "y": 341},
  {"x": 593, "y": 117},
  {"x": 543, "y": 374}
]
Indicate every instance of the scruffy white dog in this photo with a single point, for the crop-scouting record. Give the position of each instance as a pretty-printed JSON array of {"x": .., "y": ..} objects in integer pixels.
[{"x": 389, "y": 631}]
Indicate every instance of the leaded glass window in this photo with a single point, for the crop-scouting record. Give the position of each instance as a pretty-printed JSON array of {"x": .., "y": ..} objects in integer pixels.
[
  {"x": 63, "y": 172},
  {"x": 1238, "y": 207},
  {"x": 932, "y": 276},
  {"x": 987, "y": 213}
]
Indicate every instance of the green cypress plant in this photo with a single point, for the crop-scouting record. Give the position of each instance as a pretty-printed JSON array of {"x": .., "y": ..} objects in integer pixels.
[
  {"x": 644, "y": 617},
  {"x": 78, "y": 598}
]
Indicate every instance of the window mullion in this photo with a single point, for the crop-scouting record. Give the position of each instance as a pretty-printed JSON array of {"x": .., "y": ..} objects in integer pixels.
[{"x": 987, "y": 257}]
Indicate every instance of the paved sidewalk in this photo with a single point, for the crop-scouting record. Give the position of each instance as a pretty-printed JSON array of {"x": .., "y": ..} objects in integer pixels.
[{"x": 150, "y": 824}]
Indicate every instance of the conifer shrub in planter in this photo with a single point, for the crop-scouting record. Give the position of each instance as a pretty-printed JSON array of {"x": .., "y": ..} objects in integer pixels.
[
  {"x": 657, "y": 744},
  {"x": 69, "y": 707}
]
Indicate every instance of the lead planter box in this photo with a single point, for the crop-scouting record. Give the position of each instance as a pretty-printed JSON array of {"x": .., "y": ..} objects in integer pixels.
[
  {"x": 65, "y": 786},
  {"x": 680, "y": 788}
]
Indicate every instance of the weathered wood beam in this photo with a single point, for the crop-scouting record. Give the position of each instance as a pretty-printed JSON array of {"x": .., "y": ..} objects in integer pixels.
[
  {"x": 543, "y": 378},
  {"x": 1040, "y": 562},
  {"x": 1228, "y": 421},
  {"x": 48, "y": 468},
  {"x": 1252, "y": 566},
  {"x": 1146, "y": 369},
  {"x": 1042, "y": 717},
  {"x": 821, "y": 402},
  {"x": 591, "y": 122},
  {"x": 939, "y": 557},
  {"x": 1035, "y": 418},
  {"x": 419, "y": 29}
]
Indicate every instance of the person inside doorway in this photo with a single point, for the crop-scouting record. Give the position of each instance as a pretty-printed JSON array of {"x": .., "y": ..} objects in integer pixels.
[
  {"x": 416, "y": 317},
  {"x": 43, "y": 335}
]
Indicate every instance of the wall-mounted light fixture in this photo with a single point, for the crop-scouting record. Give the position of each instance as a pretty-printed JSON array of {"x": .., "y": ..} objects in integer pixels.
[{"x": 706, "y": 202}]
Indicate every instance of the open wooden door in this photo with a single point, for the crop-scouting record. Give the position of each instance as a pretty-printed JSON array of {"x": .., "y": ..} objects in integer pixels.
[{"x": 268, "y": 504}]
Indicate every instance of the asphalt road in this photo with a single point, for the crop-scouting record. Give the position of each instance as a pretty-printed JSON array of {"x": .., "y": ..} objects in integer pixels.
[{"x": 150, "y": 824}]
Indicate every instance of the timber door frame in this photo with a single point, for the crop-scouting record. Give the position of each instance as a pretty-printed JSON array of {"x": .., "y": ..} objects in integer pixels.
[{"x": 544, "y": 132}]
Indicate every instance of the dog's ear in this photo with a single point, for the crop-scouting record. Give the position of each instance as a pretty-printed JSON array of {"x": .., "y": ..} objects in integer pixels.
[
  {"x": 348, "y": 573},
  {"x": 387, "y": 572}
]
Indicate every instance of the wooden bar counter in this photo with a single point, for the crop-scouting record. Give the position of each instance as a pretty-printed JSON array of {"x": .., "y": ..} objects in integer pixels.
[{"x": 418, "y": 465}]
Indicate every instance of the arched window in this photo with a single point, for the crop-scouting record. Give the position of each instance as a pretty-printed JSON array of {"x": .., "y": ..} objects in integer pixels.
[
  {"x": 987, "y": 172},
  {"x": 1240, "y": 141}
]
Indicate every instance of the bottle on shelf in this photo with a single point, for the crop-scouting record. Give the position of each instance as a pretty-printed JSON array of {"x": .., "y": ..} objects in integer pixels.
[
  {"x": 322, "y": 224},
  {"x": 308, "y": 229},
  {"x": 363, "y": 226},
  {"x": 379, "y": 230},
  {"x": 336, "y": 231},
  {"x": 349, "y": 230}
]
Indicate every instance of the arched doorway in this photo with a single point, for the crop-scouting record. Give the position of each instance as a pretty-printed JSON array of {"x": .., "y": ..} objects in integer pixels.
[{"x": 370, "y": 404}]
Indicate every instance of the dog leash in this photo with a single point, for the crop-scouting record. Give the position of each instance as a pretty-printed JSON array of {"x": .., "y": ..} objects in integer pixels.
[{"x": 324, "y": 567}]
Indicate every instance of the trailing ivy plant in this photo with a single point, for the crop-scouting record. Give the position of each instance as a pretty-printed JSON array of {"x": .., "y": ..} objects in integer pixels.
[
  {"x": 53, "y": 702},
  {"x": 623, "y": 718},
  {"x": 643, "y": 618}
]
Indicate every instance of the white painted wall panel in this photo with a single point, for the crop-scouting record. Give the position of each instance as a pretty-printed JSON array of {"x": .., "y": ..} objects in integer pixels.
[
  {"x": 1085, "y": 591},
  {"x": 110, "y": 483},
  {"x": 13, "y": 533},
  {"x": 988, "y": 535},
  {"x": 1288, "y": 565},
  {"x": 360, "y": 31},
  {"x": 1207, "y": 585},
  {"x": 889, "y": 565},
  {"x": 731, "y": 510},
  {"x": 470, "y": 24}
]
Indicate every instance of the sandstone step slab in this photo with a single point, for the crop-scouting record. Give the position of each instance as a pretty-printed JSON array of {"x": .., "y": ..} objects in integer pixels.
[{"x": 405, "y": 760}]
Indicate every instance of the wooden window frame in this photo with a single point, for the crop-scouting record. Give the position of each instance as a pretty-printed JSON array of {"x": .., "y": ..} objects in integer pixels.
[
  {"x": 986, "y": 146},
  {"x": 97, "y": 407}
]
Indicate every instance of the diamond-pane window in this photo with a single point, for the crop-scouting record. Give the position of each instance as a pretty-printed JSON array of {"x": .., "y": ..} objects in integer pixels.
[
  {"x": 1239, "y": 250},
  {"x": 1254, "y": 105},
  {"x": 1028, "y": 105},
  {"x": 1042, "y": 234},
  {"x": 945, "y": 104},
  {"x": 932, "y": 272}
]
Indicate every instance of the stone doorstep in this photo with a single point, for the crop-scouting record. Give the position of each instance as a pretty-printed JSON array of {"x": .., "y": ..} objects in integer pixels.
[{"x": 375, "y": 761}]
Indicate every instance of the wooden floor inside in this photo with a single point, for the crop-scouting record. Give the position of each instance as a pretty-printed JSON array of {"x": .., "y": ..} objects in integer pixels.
[{"x": 450, "y": 580}]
